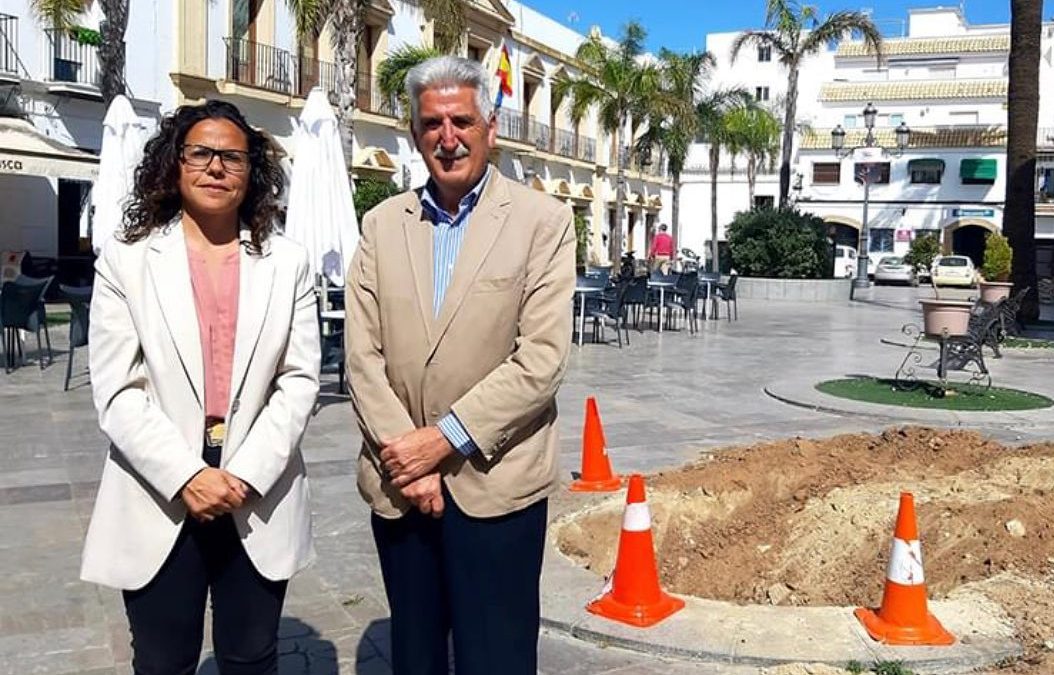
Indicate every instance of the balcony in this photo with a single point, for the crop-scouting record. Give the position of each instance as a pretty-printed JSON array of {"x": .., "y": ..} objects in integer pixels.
[
  {"x": 311, "y": 73},
  {"x": 587, "y": 149},
  {"x": 71, "y": 62},
  {"x": 538, "y": 134},
  {"x": 512, "y": 126},
  {"x": 259, "y": 65},
  {"x": 369, "y": 98},
  {"x": 8, "y": 45}
]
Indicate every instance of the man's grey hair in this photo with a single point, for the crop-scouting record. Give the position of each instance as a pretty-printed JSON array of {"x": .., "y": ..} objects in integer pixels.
[{"x": 447, "y": 71}]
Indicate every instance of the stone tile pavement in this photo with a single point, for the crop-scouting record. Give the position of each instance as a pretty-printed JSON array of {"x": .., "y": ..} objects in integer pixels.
[{"x": 664, "y": 400}]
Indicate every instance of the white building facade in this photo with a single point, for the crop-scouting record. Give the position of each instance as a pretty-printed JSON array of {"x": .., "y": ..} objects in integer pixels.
[
  {"x": 247, "y": 52},
  {"x": 947, "y": 81}
]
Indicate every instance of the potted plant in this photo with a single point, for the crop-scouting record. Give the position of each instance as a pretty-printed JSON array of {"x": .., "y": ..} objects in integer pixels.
[
  {"x": 998, "y": 257},
  {"x": 940, "y": 316}
]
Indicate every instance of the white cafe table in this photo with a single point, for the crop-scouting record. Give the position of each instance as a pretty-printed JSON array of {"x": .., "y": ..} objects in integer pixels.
[{"x": 662, "y": 286}]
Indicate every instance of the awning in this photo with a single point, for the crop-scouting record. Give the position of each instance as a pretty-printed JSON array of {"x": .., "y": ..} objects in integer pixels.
[
  {"x": 926, "y": 164},
  {"x": 372, "y": 158},
  {"x": 977, "y": 169},
  {"x": 24, "y": 151}
]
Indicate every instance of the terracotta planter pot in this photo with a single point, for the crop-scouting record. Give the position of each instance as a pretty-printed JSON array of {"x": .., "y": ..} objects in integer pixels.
[
  {"x": 952, "y": 316},
  {"x": 994, "y": 291}
]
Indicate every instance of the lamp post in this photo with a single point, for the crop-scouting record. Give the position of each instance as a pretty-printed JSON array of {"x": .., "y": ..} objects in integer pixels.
[{"x": 903, "y": 136}]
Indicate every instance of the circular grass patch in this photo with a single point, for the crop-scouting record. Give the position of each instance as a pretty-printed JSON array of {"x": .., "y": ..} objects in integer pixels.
[{"x": 928, "y": 394}]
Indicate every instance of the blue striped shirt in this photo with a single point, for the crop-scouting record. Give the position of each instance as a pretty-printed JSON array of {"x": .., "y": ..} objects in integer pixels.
[{"x": 447, "y": 235}]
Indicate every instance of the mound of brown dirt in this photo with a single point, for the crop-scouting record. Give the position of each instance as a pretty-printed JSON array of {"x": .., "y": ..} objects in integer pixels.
[{"x": 809, "y": 522}]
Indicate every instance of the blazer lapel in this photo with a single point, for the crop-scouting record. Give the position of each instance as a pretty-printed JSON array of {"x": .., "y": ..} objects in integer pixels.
[
  {"x": 170, "y": 273},
  {"x": 255, "y": 282},
  {"x": 484, "y": 226},
  {"x": 418, "y": 232}
]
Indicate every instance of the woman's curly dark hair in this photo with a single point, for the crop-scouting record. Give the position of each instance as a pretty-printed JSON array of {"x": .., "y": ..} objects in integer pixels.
[{"x": 156, "y": 199}]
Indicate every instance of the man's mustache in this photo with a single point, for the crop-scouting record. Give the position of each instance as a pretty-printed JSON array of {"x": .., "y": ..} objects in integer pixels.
[{"x": 457, "y": 153}]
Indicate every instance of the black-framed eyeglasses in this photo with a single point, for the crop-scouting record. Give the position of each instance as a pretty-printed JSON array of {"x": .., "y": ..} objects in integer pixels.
[{"x": 200, "y": 157}]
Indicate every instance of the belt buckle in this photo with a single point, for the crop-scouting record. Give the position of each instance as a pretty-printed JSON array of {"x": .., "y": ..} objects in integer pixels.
[{"x": 215, "y": 435}]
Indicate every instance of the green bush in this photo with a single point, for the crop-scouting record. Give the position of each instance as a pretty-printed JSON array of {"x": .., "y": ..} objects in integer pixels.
[
  {"x": 782, "y": 243},
  {"x": 923, "y": 250},
  {"x": 370, "y": 192},
  {"x": 85, "y": 36},
  {"x": 998, "y": 257}
]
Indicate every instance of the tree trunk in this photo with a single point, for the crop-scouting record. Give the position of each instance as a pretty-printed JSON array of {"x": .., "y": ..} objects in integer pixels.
[
  {"x": 347, "y": 32},
  {"x": 112, "y": 49},
  {"x": 675, "y": 211},
  {"x": 752, "y": 179},
  {"x": 615, "y": 238},
  {"x": 1019, "y": 213},
  {"x": 715, "y": 159},
  {"x": 787, "y": 148}
]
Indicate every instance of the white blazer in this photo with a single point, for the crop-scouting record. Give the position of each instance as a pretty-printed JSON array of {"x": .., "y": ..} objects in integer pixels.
[{"x": 148, "y": 385}]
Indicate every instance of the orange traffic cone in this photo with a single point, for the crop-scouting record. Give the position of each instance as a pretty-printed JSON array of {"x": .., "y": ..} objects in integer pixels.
[
  {"x": 903, "y": 618},
  {"x": 632, "y": 595},
  {"x": 596, "y": 467}
]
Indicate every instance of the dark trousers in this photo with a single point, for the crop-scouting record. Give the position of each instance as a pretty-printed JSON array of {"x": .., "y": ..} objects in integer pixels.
[
  {"x": 474, "y": 578},
  {"x": 167, "y": 615}
]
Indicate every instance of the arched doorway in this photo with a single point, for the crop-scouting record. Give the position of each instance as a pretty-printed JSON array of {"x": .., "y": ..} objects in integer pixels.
[
  {"x": 843, "y": 231},
  {"x": 966, "y": 237}
]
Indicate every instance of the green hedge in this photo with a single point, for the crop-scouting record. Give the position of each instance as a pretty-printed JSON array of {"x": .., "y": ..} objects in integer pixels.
[
  {"x": 782, "y": 244},
  {"x": 370, "y": 192}
]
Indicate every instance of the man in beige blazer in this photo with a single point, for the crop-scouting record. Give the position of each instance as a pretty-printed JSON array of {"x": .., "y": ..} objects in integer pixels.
[{"x": 458, "y": 331}]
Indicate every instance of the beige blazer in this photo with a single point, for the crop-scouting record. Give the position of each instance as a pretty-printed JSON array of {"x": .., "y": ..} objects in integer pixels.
[
  {"x": 495, "y": 355},
  {"x": 148, "y": 385}
]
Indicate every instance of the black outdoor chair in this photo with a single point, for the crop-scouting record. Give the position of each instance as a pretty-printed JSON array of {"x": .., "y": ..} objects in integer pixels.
[
  {"x": 636, "y": 298},
  {"x": 684, "y": 297},
  {"x": 613, "y": 306},
  {"x": 708, "y": 283},
  {"x": 79, "y": 299},
  {"x": 332, "y": 351},
  {"x": 727, "y": 292},
  {"x": 22, "y": 308}
]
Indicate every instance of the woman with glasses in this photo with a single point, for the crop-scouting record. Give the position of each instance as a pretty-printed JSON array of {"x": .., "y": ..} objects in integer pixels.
[{"x": 204, "y": 366}]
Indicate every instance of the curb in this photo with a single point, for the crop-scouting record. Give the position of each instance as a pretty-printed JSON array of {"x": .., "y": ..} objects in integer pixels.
[{"x": 722, "y": 633}]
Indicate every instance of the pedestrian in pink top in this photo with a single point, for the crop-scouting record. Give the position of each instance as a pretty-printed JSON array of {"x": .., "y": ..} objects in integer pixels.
[
  {"x": 661, "y": 250},
  {"x": 204, "y": 357}
]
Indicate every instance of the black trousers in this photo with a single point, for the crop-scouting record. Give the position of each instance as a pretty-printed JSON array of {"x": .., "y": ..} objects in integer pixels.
[
  {"x": 474, "y": 578},
  {"x": 167, "y": 616}
]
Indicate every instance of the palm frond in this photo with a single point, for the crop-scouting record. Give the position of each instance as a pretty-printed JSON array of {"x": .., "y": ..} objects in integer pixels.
[
  {"x": 761, "y": 38},
  {"x": 841, "y": 25},
  {"x": 309, "y": 16},
  {"x": 58, "y": 14},
  {"x": 391, "y": 72}
]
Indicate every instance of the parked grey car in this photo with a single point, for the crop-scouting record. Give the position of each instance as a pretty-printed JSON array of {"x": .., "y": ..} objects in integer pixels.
[{"x": 893, "y": 269}]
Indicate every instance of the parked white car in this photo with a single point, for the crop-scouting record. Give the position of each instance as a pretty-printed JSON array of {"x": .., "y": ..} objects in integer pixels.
[
  {"x": 954, "y": 270},
  {"x": 844, "y": 262},
  {"x": 893, "y": 269}
]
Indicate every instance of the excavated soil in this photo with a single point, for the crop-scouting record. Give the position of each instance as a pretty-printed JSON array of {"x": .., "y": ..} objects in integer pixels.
[{"x": 809, "y": 522}]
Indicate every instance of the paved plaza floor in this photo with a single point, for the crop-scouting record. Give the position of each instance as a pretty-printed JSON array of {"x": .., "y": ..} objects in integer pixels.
[{"x": 664, "y": 399}]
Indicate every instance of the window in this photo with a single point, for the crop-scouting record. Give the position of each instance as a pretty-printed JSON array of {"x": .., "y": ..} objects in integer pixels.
[
  {"x": 826, "y": 173},
  {"x": 475, "y": 54},
  {"x": 895, "y": 119},
  {"x": 876, "y": 173},
  {"x": 764, "y": 202},
  {"x": 881, "y": 240},
  {"x": 764, "y": 53},
  {"x": 925, "y": 171},
  {"x": 849, "y": 122},
  {"x": 761, "y": 93}
]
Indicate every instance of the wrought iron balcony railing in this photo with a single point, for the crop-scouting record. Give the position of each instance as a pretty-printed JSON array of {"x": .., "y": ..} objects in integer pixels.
[
  {"x": 311, "y": 73},
  {"x": 259, "y": 65},
  {"x": 70, "y": 60},
  {"x": 370, "y": 98},
  {"x": 539, "y": 134}
]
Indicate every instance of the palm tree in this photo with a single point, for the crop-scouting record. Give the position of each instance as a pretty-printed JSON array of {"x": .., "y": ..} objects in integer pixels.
[
  {"x": 112, "y": 49},
  {"x": 57, "y": 14},
  {"x": 347, "y": 20},
  {"x": 625, "y": 91},
  {"x": 682, "y": 75},
  {"x": 755, "y": 132},
  {"x": 1019, "y": 214},
  {"x": 391, "y": 73},
  {"x": 713, "y": 112},
  {"x": 793, "y": 31}
]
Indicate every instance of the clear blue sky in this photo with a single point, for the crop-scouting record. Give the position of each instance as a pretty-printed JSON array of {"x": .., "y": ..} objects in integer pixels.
[{"x": 683, "y": 24}]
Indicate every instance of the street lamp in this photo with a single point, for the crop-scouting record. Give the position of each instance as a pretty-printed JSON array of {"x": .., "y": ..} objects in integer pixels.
[{"x": 903, "y": 137}]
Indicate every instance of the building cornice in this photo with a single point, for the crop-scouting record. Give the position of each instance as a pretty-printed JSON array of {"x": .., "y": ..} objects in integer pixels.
[
  {"x": 913, "y": 90},
  {"x": 974, "y": 44}
]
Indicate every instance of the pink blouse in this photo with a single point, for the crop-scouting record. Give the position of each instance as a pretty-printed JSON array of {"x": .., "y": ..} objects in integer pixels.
[{"x": 216, "y": 300}]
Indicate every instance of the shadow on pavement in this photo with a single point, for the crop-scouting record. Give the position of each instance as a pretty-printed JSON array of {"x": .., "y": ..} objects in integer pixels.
[{"x": 301, "y": 649}]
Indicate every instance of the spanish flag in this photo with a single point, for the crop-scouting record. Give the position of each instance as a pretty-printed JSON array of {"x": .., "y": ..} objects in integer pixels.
[{"x": 504, "y": 74}]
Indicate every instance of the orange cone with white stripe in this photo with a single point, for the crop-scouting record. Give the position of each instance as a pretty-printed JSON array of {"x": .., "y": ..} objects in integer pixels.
[
  {"x": 903, "y": 618},
  {"x": 632, "y": 595},
  {"x": 596, "y": 473}
]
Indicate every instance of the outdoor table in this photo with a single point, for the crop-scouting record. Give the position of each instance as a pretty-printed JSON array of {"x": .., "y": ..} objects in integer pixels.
[
  {"x": 662, "y": 286},
  {"x": 581, "y": 292}
]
